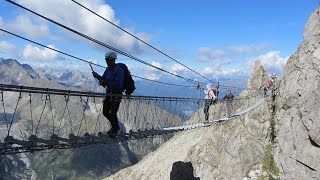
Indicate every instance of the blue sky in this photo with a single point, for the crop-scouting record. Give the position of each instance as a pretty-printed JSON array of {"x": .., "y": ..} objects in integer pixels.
[{"x": 219, "y": 39}]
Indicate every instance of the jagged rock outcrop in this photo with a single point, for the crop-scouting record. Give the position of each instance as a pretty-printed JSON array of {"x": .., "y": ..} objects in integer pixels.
[
  {"x": 298, "y": 148},
  {"x": 258, "y": 78},
  {"x": 280, "y": 139}
]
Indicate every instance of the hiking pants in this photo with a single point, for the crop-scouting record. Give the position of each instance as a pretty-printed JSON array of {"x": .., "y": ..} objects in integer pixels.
[
  {"x": 206, "y": 109},
  {"x": 229, "y": 105},
  {"x": 110, "y": 109}
]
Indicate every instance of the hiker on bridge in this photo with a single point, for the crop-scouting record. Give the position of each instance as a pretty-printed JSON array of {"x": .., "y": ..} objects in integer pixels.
[
  {"x": 271, "y": 81},
  {"x": 112, "y": 79},
  {"x": 210, "y": 99},
  {"x": 228, "y": 98},
  {"x": 265, "y": 89}
]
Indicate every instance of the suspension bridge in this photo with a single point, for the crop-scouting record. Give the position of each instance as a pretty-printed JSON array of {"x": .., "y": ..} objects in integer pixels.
[{"x": 44, "y": 135}]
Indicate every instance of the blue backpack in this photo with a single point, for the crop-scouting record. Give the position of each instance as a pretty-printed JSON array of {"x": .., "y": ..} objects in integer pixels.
[{"x": 128, "y": 83}]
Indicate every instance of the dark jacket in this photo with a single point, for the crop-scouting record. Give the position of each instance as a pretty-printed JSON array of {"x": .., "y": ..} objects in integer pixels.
[
  {"x": 114, "y": 78},
  {"x": 228, "y": 97}
]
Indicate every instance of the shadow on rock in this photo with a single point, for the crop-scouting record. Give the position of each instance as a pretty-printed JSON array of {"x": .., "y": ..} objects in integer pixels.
[{"x": 182, "y": 171}]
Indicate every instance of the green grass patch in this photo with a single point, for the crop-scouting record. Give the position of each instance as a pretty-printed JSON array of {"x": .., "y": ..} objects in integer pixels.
[{"x": 268, "y": 164}]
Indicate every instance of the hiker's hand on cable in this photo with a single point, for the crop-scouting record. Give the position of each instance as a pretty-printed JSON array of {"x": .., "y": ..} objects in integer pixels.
[
  {"x": 96, "y": 75},
  {"x": 102, "y": 82}
]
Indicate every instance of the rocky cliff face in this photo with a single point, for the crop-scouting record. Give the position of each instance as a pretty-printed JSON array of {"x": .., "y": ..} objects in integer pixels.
[
  {"x": 280, "y": 139},
  {"x": 298, "y": 147}
]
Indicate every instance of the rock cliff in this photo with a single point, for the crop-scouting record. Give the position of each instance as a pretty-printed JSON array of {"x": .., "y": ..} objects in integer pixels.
[{"x": 298, "y": 137}]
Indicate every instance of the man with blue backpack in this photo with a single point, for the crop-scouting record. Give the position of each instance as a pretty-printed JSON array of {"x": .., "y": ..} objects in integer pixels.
[{"x": 115, "y": 78}]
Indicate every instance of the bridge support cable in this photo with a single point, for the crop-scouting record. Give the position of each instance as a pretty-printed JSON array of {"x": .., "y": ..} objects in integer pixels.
[
  {"x": 28, "y": 89},
  {"x": 126, "y": 104},
  {"x": 82, "y": 117},
  {"x": 30, "y": 106},
  {"x": 14, "y": 113},
  {"x": 86, "y": 106},
  {"x": 51, "y": 110},
  {"x": 4, "y": 109},
  {"x": 97, "y": 124},
  {"x": 136, "y": 110},
  {"x": 145, "y": 117},
  {"x": 66, "y": 99},
  {"x": 44, "y": 107},
  {"x": 102, "y": 44},
  {"x": 89, "y": 62},
  {"x": 153, "y": 110},
  {"x": 161, "y": 52}
]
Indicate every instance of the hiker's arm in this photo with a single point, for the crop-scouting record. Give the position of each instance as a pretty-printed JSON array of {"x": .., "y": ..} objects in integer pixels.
[
  {"x": 101, "y": 81},
  {"x": 224, "y": 98},
  {"x": 96, "y": 75}
]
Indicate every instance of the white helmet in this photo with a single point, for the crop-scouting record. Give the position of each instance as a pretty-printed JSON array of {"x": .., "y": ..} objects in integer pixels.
[{"x": 111, "y": 54}]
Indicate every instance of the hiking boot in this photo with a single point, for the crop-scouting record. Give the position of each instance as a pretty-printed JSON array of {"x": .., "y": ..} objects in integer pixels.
[{"x": 112, "y": 131}]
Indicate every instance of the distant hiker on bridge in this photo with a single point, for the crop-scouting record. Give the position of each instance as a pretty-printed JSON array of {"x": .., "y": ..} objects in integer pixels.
[
  {"x": 210, "y": 98},
  {"x": 265, "y": 89},
  {"x": 112, "y": 79},
  {"x": 271, "y": 81},
  {"x": 216, "y": 91},
  {"x": 228, "y": 98}
]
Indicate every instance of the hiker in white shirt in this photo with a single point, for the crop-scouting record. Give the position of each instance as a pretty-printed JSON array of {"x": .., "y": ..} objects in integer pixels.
[{"x": 210, "y": 98}]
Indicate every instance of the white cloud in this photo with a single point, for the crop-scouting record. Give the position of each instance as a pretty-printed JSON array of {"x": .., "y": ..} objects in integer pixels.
[
  {"x": 150, "y": 69},
  {"x": 153, "y": 76},
  {"x": 219, "y": 71},
  {"x": 80, "y": 19},
  {"x": 177, "y": 67},
  {"x": 227, "y": 72},
  {"x": 147, "y": 71},
  {"x": 271, "y": 61},
  {"x": 23, "y": 24},
  {"x": 8, "y": 48},
  {"x": 209, "y": 54},
  {"x": 39, "y": 55},
  {"x": 155, "y": 63},
  {"x": 247, "y": 49},
  {"x": 1, "y": 21}
]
